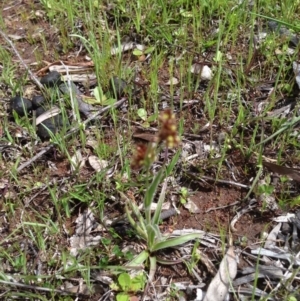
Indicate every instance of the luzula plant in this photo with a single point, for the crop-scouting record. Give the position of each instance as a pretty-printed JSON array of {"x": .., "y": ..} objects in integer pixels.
[{"x": 146, "y": 225}]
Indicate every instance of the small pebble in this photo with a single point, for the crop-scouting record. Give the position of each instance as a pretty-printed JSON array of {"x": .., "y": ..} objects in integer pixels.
[
  {"x": 54, "y": 124},
  {"x": 20, "y": 105},
  {"x": 286, "y": 228},
  {"x": 39, "y": 111},
  {"x": 65, "y": 88},
  {"x": 205, "y": 72},
  {"x": 51, "y": 79},
  {"x": 38, "y": 101}
]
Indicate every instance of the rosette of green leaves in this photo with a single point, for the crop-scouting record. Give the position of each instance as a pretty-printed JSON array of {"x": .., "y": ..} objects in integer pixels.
[{"x": 147, "y": 226}]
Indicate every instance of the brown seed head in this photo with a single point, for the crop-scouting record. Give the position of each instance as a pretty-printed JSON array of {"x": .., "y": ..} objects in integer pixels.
[{"x": 168, "y": 130}]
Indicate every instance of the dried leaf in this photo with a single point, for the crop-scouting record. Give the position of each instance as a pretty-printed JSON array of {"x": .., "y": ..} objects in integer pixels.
[
  {"x": 282, "y": 170},
  {"x": 77, "y": 161},
  {"x": 97, "y": 163},
  {"x": 48, "y": 114},
  {"x": 15, "y": 37},
  {"x": 82, "y": 238},
  {"x": 269, "y": 201},
  {"x": 219, "y": 286},
  {"x": 85, "y": 222},
  {"x": 153, "y": 207},
  {"x": 191, "y": 206},
  {"x": 172, "y": 81},
  {"x": 82, "y": 242},
  {"x": 76, "y": 289},
  {"x": 284, "y": 218},
  {"x": 271, "y": 239}
]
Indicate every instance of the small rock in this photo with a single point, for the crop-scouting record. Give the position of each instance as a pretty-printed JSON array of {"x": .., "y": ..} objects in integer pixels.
[
  {"x": 286, "y": 229},
  {"x": 51, "y": 79},
  {"x": 38, "y": 101},
  {"x": 39, "y": 111},
  {"x": 205, "y": 72},
  {"x": 21, "y": 105},
  {"x": 118, "y": 86},
  {"x": 65, "y": 88},
  {"x": 54, "y": 124},
  {"x": 283, "y": 31}
]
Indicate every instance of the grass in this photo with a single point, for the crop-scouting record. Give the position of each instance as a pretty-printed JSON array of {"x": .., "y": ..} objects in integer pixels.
[{"x": 176, "y": 34}]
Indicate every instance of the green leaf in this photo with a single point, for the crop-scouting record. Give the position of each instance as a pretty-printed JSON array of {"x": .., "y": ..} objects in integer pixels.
[
  {"x": 177, "y": 241},
  {"x": 152, "y": 118},
  {"x": 140, "y": 231},
  {"x": 108, "y": 102},
  {"x": 151, "y": 235},
  {"x": 96, "y": 3},
  {"x": 100, "y": 97},
  {"x": 145, "y": 124},
  {"x": 114, "y": 286},
  {"x": 142, "y": 113},
  {"x": 153, "y": 267},
  {"x": 139, "y": 259},
  {"x": 150, "y": 194},
  {"x": 124, "y": 281},
  {"x": 137, "y": 52},
  {"x": 157, "y": 213},
  {"x": 138, "y": 282},
  {"x": 173, "y": 162},
  {"x": 151, "y": 191},
  {"x": 122, "y": 296},
  {"x": 218, "y": 56},
  {"x": 137, "y": 213},
  {"x": 186, "y": 14},
  {"x": 92, "y": 101},
  {"x": 149, "y": 50},
  {"x": 48, "y": 4}
]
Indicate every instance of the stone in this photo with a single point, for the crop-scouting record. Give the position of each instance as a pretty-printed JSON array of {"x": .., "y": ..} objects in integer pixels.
[
  {"x": 38, "y": 101},
  {"x": 52, "y": 79},
  {"x": 21, "y": 105},
  {"x": 53, "y": 124}
]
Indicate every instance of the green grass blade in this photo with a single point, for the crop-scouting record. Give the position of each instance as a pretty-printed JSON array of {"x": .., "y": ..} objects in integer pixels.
[
  {"x": 172, "y": 242},
  {"x": 151, "y": 233},
  {"x": 138, "y": 228},
  {"x": 150, "y": 194},
  {"x": 139, "y": 259},
  {"x": 296, "y": 28},
  {"x": 173, "y": 162},
  {"x": 284, "y": 127},
  {"x": 157, "y": 213},
  {"x": 153, "y": 267}
]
